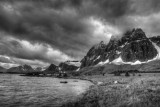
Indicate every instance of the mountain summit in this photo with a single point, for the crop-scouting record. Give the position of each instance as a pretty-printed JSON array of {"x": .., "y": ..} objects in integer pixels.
[{"x": 133, "y": 47}]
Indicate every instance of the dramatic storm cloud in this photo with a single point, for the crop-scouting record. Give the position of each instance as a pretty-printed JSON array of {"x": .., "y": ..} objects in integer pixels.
[{"x": 40, "y": 32}]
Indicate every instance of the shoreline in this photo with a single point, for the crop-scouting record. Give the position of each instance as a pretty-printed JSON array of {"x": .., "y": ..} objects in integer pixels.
[
  {"x": 76, "y": 80},
  {"x": 80, "y": 96},
  {"x": 70, "y": 77},
  {"x": 81, "y": 78}
]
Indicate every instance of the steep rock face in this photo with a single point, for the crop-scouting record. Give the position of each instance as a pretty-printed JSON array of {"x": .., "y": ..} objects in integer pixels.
[
  {"x": 94, "y": 55},
  {"x": 142, "y": 50},
  {"x": 133, "y": 46}
]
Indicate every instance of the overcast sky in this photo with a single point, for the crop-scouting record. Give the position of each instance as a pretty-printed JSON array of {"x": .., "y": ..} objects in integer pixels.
[{"x": 40, "y": 32}]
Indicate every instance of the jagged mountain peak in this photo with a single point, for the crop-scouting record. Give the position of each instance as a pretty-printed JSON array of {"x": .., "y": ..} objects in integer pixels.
[
  {"x": 134, "y": 30},
  {"x": 133, "y": 46},
  {"x": 133, "y": 35},
  {"x": 52, "y": 67},
  {"x": 138, "y": 33}
]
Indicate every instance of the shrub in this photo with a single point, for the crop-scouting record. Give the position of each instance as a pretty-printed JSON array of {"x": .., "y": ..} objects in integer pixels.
[
  {"x": 127, "y": 74},
  {"x": 139, "y": 75},
  {"x": 117, "y": 74}
]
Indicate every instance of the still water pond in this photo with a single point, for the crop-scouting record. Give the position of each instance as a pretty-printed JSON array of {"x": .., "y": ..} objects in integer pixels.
[{"x": 21, "y": 91}]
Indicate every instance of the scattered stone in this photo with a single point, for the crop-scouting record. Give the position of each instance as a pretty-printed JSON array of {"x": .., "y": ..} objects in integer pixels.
[
  {"x": 99, "y": 83},
  {"x": 115, "y": 82}
]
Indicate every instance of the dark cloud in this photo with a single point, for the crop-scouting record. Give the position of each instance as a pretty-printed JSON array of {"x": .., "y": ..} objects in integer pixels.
[
  {"x": 109, "y": 8},
  {"x": 44, "y": 25},
  {"x": 65, "y": 26}
]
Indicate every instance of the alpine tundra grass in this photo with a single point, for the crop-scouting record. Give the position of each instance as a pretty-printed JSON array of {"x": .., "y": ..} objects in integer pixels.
[{"x": 121, "y": 91}]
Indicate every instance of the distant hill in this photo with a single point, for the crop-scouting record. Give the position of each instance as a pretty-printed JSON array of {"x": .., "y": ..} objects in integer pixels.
[
  {"x": 20, "y": 69},
  {"x": 51, "y": 69}
]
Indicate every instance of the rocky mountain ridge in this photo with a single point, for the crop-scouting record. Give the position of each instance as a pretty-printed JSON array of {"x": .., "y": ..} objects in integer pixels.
[
  {"x": 52, "y": 68},
  {"x": 133, "y": 48}
]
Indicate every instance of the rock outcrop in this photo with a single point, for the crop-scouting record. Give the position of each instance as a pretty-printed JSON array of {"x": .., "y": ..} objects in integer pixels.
[{"x": 94, "y": 55}]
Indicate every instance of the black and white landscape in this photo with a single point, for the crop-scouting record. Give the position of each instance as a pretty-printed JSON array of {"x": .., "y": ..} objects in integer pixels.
[{"x": 80, "y": 53}]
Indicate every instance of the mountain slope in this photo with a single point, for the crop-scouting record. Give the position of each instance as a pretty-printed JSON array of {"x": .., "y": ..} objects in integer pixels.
[{"x": 133, "y": 48}]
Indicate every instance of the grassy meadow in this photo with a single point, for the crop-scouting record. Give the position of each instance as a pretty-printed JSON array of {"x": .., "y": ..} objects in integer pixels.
[{"x": 141, "y": 90}]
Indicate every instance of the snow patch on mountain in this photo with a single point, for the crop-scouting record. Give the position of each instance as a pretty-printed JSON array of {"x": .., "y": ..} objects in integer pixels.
[
  {"x": 102, "y": 63},
  {"x": 78, "y": 69},
  {"x": 98, "y": 57},
  {"x": 117, "y": 61}
]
